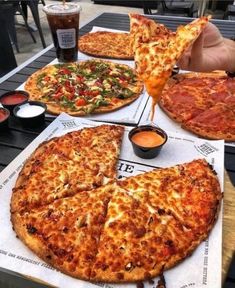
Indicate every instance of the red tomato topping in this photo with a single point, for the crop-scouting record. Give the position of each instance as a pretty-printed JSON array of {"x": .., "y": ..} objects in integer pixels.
[
  {"x": 70, "y": 96},
  {"x": 80, "y": 78},
  {"x": 115, "y": 100},
  {"x": 58, "y": 95},
  {"x": 89, "y": 93},
  {"x": 67, "y": 83},
  {"x": 98, "y": 83},
  {"x": 64, "y": 71},
  {"x": 95, "y": 93},
  {"x": 80, "y": 102},
  {"x": 47, "y": 78}
]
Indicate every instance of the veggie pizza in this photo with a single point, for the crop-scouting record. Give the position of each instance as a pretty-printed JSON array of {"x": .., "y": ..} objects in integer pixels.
[{"x": 88, "y": 87}]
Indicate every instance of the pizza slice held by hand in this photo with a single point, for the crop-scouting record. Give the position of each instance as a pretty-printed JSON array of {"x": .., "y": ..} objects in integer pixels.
[{"x": 155, "y": 60}]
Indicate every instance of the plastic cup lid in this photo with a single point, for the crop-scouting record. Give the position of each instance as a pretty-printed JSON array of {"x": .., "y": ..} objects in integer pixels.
[{"x": 60, "y": 8}]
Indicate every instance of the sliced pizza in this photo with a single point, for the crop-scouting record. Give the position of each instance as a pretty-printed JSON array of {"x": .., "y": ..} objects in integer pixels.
[
  {"x": 78, "y": 161},
  {"x": 138, "y": 242},
  {"x": 66, "y": 232},
  {"x": 155, "y": 220},
  {"x": 190, "y": 192},
  {"x": 126, "y": 231},
  {"x": 185, "y": 96}
]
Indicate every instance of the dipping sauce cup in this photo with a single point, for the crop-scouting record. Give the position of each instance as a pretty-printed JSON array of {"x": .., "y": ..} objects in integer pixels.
[
  {"x": 63, "y": 20},
  {"x": 11, "y": 99},
  {"x": 147, "y": 141},
  {"x": 30, "y": 114},
  {"x": 4, "y": 115}
]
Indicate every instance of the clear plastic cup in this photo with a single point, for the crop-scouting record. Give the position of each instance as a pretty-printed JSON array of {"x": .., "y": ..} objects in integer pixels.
[{"x": 63, "y": 20}]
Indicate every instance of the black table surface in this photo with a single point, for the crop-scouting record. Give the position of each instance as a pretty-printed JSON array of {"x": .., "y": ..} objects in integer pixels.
[{"x": 13, "y": 141}]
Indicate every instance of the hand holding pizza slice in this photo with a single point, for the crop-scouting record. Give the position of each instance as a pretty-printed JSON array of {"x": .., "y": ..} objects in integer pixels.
[{"x": 156, "y": 58}]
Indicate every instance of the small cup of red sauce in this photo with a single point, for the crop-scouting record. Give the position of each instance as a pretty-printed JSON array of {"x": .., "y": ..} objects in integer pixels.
[
  {"x": 13, "y": 98},
  {"x": 147, "y": 141},
  {"x": 4, "y": 115}
]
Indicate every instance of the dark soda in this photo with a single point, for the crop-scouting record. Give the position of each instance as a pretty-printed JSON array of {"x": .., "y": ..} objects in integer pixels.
[{"x": 64, "y": 24}]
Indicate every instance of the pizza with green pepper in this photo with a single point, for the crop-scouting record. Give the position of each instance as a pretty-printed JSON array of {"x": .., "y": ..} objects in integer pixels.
[{"x": 82, "y": 88}]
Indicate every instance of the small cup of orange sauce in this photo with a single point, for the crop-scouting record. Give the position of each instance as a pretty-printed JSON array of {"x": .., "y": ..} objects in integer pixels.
[
  {"x": 11, "y": 99},
  {"x": 147, "y": 141}
]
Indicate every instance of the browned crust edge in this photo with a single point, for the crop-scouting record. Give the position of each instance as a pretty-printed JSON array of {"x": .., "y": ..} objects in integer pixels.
[
  {"x": 37, "y": 246},
  {"x": 202, "y": 133}
]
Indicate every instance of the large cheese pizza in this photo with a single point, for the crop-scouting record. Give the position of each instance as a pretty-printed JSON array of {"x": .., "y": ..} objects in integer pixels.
[
  {"x": 203, "y": 103},
  {"x": 68, "y": 208},
  {"x": 106, "y": 44},
  {"x": 87, "y": 87}
]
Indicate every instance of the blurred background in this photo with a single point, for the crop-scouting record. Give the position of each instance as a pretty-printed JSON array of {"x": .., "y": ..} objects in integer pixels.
[{"x": 20, "y": 13}]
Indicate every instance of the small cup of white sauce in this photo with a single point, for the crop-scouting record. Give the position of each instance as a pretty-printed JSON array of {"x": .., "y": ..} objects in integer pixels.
[{"x": 31, "y": 114}]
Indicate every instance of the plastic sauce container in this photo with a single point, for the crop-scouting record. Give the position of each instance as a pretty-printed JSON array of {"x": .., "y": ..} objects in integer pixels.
[
  {"x": 13, "y": 98},
  {"x": 4, "y": 116},
  {"x": 30, "y": 114},
  {"x": 147, "y": 141}
]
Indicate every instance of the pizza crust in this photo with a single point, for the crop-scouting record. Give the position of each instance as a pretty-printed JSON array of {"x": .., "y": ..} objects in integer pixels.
[{"x": 55, "y": 110}]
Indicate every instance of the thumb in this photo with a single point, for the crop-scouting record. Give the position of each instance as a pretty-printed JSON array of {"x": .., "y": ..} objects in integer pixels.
[
  {"x": 192, "y": 57},
  {"x": 197, "y": 47}
]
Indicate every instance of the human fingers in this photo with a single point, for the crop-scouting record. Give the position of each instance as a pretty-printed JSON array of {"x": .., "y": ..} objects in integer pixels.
[
  {"x": 192, "y": 56},
  {"x": 197, "y": 47},
  {"x": 184, "y": 61},
  {"x": 212, "y": 35}
]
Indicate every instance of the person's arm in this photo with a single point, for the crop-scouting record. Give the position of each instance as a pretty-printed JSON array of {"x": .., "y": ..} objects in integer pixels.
[{"x": 211, "y": 51}]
